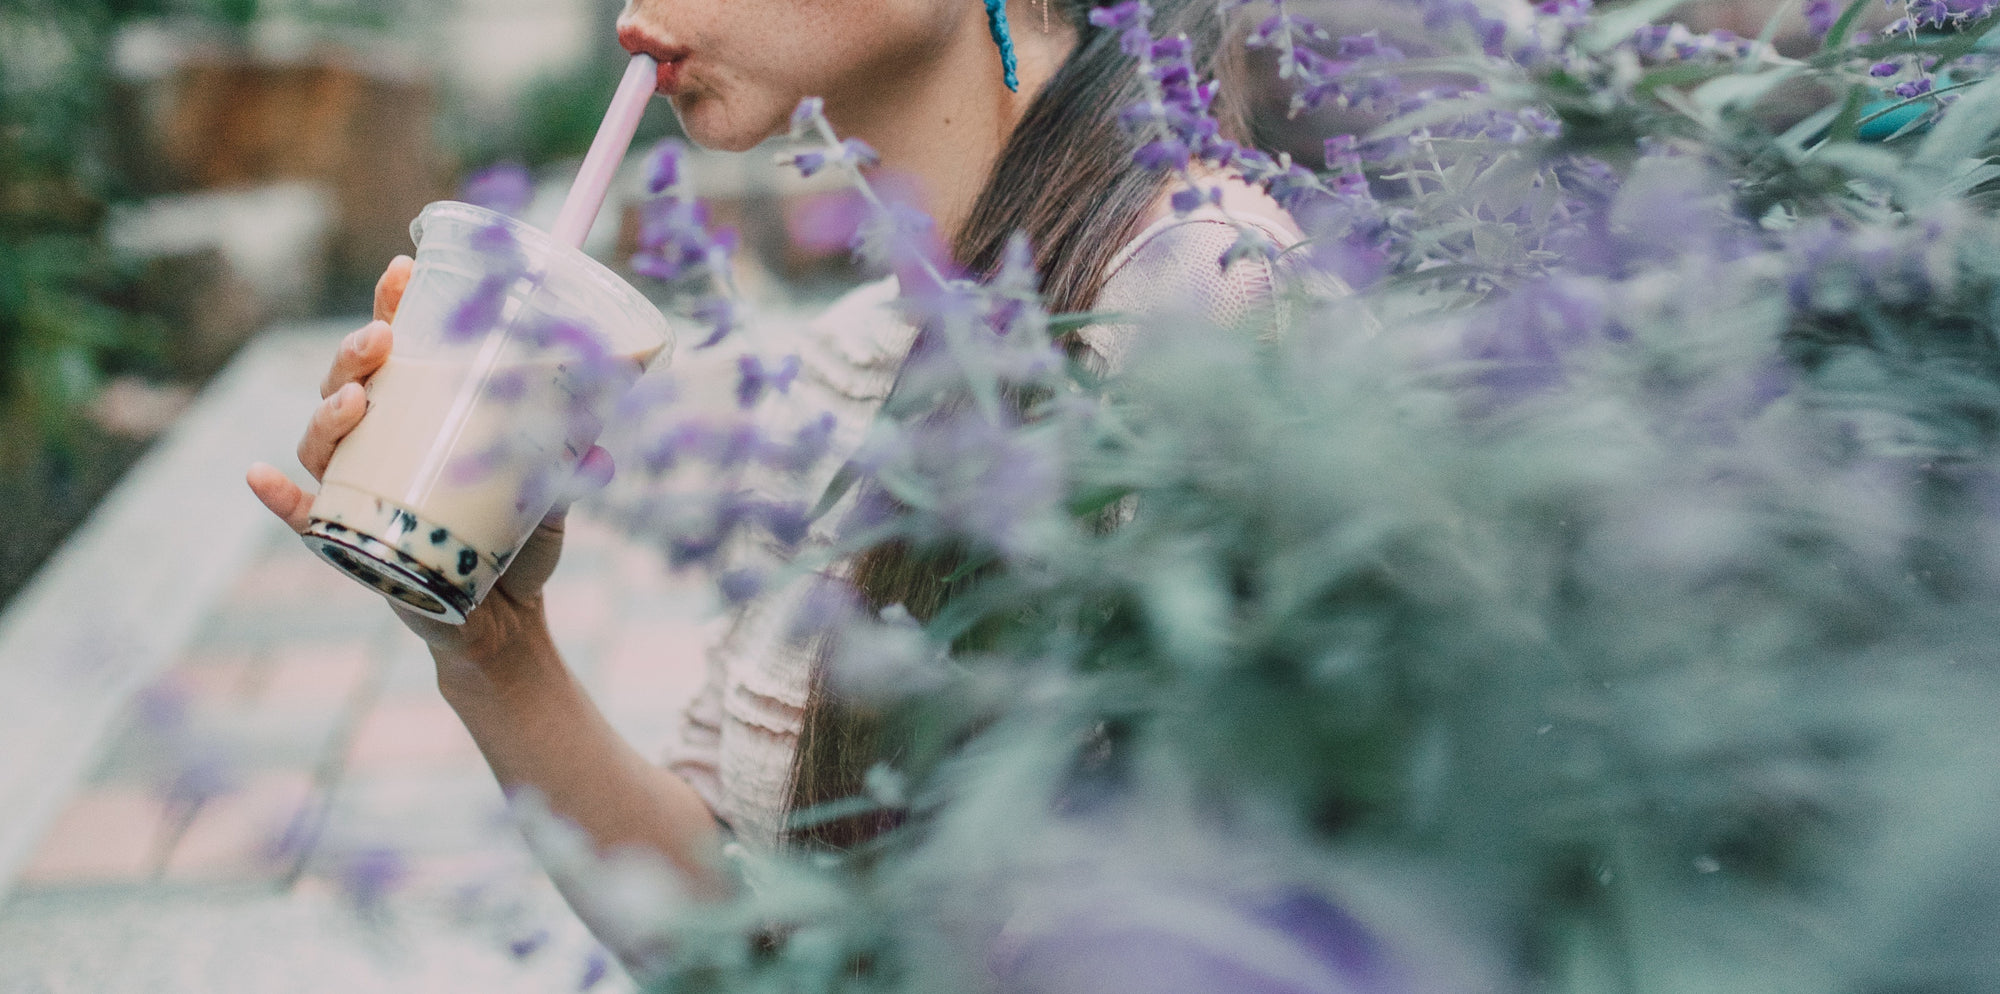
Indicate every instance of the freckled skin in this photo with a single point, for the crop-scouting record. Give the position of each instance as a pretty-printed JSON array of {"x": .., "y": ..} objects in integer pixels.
[{"x": 752, "y": 61}]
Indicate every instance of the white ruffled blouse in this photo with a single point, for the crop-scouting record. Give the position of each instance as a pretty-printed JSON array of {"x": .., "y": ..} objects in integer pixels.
[{"x": 740, "y": 734}]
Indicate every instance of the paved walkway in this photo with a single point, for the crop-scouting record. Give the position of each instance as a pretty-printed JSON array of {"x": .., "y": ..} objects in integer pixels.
[{"x": 290, "y": 806}]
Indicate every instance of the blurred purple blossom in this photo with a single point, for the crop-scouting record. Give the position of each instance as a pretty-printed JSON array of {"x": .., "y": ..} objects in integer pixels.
[
  {"x": 807, "y": 448},
  {"x": 596, "y": 967},
  {"x": 367, "y": 877},
  {"x": 506, "y": 187},
  {"x": 827, "y": 605},
  {"x": 528, "y": 945},
  {"x": 677, "y": 246},
  {"x": 663, "y": 167},
  {"x": 1333, "y": 936},
  {"x": 199, "y": 775},
  {"x": 739, "y": 586},
  {"x": 755, "y": 378},
  {"x": 480, "y": 311}
]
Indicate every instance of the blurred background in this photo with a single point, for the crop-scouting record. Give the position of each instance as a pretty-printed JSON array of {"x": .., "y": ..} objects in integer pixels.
[{"x": 213, "y": 750}]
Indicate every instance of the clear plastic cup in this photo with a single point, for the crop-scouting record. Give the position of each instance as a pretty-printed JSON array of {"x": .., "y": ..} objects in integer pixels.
[{"x": 510, "y": 352}]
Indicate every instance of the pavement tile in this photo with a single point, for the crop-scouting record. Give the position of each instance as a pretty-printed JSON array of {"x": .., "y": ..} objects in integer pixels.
[
  {"x": 233, "y": 835},
  {"x": 107, "y": 834},
  {"x": 411, "y": 734},
  {"x": 289, "y": 576},
  {"x": 435, "y": 813},
  {"x": 297, "y": 734},
  {"x": 324, "y": 674}
]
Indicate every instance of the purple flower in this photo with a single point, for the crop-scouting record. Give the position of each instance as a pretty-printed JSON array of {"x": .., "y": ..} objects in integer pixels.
[
  {"x": 1162, "y": 155},
  {"x": 1193, "y": 198},
  {"x": 1913, "y": 88},
  {"x": 740, "y": 586},
  {"x": 597, "y": 967},
  {"x": 809, "y": 110},
  {"x": 163, "y": 708},
  {"x": 1176, "y": 49},
  {"x": 719, "y": 314},
  {"x": 367, "y": 877},
  {"x": 575, "y": 340},
  {"x": 827, "y": 605},
  {"x": 808, "y": 162},
  {"x": 806, "y": 449},
  {"x": 1343, "y": 152},
  {"x": 1820, "y": 15},
  {"x": 480, "y": 312},
  {"x": 1368, "y": 46},
  {"x": 900, "y": 238},
  {"x": 1881, "y": 69},
  {"x": 1333, "y": 936},
  {"x": 497, "y": 240},
  {"x": 1122, "y": 16},
  {"x": 755, "y": 378},
  {"x": 789, "y": 523},
  {"x": 1519, "y": 345},
  {"x": 506, "y": 187},
  {"x": 528, "y": 945},
  {"x": 663, "y": 168},
  {"x": 200, "y": 779}
]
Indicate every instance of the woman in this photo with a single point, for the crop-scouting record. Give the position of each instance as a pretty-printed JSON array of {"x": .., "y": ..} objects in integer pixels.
[{"x": 922, "y": 82}]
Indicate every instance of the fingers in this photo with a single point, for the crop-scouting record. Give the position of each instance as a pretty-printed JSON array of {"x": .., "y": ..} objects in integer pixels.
[
  {"x": 389, "y": 289},
  {"x": 336, "y": 416},
  {"x": 592, "y": 474},
  {"x": 281, "y": 495},
  {"x": 360, "y": 355}
]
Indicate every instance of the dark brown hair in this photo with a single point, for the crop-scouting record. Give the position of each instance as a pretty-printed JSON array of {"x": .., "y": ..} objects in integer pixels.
[{"x": 1066, "y": 180}]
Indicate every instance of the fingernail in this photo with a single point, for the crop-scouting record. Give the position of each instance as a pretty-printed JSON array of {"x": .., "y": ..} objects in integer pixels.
[
  {"x": 349, "y": 395},
  {"x": 371, "y": 336},
  {"x": 352, "y": 343}
]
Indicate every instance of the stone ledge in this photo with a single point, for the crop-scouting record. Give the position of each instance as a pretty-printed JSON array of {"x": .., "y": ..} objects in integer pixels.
[{"x": 124, "y": 596}]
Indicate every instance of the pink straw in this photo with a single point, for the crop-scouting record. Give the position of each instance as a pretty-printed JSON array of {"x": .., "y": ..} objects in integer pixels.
[{"x": 614, "y": 137}]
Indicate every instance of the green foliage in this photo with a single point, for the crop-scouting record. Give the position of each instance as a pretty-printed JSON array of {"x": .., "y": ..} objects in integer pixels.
[{"x": 1606, "y": 598}]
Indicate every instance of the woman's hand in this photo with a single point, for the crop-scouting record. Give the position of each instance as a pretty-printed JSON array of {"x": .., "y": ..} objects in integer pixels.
[{"x": 493, "y": 635}]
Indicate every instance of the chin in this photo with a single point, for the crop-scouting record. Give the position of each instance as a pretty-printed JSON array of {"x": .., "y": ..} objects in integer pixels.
[{"x": 708, "y": 124}]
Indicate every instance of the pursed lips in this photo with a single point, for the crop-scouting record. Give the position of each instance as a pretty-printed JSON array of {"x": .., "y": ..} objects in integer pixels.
[{"x": 672, "y": 58}]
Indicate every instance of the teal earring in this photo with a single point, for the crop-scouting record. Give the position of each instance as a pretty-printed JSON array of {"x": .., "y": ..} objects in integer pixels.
[{"x": 996, "y": 21}]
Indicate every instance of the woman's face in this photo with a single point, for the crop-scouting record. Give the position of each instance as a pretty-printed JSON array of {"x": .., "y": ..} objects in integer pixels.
[{"x": 735, "y": 69}]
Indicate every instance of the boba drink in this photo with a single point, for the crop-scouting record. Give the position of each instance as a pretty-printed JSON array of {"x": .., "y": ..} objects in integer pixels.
[{"x": 510, "y": 351}]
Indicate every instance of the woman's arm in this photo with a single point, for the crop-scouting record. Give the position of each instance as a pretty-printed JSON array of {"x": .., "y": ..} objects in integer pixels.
[
  {"x": 501, "y": 672},
  {"x": 538, "y": 728}
]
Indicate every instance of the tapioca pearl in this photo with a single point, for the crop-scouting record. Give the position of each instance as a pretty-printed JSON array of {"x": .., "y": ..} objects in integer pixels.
[
  {"x": 438, "y": 536},
  {"x": 468, "y": 560}
]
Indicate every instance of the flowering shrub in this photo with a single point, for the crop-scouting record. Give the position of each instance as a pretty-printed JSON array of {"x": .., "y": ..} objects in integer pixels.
[{"x": 1600, "y": 597}]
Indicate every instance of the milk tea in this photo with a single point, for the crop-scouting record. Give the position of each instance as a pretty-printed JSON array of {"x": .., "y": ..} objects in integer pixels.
[{"x": 453, "y": 467}]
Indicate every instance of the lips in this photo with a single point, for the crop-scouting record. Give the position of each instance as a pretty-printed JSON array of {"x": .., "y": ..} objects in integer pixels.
[{"x": 671, "y": 58}]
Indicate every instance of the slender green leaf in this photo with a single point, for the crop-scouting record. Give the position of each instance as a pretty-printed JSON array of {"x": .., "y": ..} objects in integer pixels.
[
  {"x": 1837, "y": 36},
  {"x": 1964, "y": 129},
  {"x": 1616, "y": 26}
]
